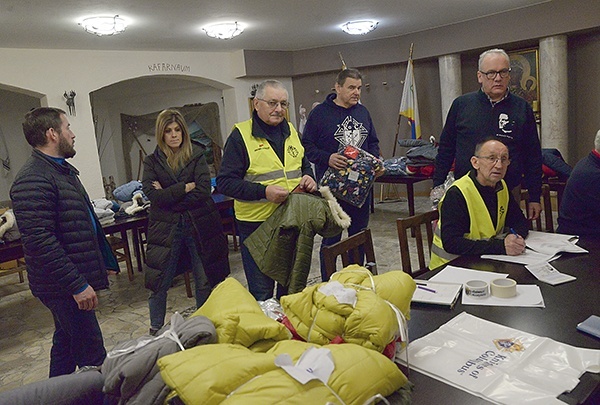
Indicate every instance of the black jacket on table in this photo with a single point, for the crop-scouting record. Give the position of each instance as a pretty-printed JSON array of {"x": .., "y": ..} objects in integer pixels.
[
  {"x": 471, "y": 119},
  {"x": 61, "y": 244},
  {"x": 170, "y": 203},
  {"x": 457, "y": 221}
]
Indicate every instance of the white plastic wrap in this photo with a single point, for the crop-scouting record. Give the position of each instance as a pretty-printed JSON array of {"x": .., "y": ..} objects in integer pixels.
[{"x": 438, "y": 192}]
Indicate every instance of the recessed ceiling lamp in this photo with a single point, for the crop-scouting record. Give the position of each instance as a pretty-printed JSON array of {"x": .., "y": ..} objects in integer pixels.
[
  {"x": 359, "y": 27},
  {"x": 104, "y": 25},
  {"x": 226, "y": 30}
]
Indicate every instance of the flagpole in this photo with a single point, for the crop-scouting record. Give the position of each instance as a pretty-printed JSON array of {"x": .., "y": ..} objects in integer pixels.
[
  {"x": 412, "y": 44},
  {"x": 344, "y": 67}
]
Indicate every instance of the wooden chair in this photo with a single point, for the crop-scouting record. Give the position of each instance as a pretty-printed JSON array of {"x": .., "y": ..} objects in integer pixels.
[
  {"x": 117, "y": 244},
  {"x": 228, "y": 222},
  {"x": 188, "y": 284},
  {"x": 142, "y": 233},
  {"x": 19, "y": 267},
  {"x": 558, "y": 187},
  {"x": 414, "y": 223},
  {"x": 547, "y": 208},
  {"x": 546, "y": 200},
  {"x": 351, "y": 250}
]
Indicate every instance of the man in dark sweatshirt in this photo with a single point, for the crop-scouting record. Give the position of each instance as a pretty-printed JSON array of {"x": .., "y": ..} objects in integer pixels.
[
  {"x": 332, "y": 125},
  {"x": 493, "y": 111}
]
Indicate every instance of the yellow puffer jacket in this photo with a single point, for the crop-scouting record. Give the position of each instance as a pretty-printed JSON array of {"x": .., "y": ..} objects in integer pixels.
[
  {"x": 239, "y": 319},
  {"x": 232, "y": 374},
  {"x": 372, "y": 321}
]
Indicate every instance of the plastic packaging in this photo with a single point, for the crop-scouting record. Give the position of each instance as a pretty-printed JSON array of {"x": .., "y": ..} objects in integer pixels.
[
  {"x": 438, "y": 192},
  {"x": 354, "y": 182}
]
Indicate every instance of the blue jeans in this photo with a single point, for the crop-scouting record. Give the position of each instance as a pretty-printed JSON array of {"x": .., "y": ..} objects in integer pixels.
[
  {"x": 77, "y": 340},
  {"x": 360, "y": 220},
  {"x": 183, "y": 241},
  {"x": 260, "y": 285}
]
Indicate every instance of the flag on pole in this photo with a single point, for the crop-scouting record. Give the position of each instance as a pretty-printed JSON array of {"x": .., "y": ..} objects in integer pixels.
[{"x": 408, "y": 105}]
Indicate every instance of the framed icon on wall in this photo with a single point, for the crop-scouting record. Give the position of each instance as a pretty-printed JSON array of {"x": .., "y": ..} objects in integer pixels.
[{"x": 524, "y": 76}]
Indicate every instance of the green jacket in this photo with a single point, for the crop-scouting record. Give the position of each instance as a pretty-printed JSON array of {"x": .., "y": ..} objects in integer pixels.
[{"x": 282, "y": 245}]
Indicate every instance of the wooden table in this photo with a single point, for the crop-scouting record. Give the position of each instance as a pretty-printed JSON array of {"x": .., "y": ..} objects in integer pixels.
[
  {"x": 11, "y": 251},
  {"x": 14, "y": 250},
  {"x": 130, "y": 223},
  {"x": 409, "y": 181},
  {"x": 135, "y": 222},
  {"x": 566, "y": 305}
]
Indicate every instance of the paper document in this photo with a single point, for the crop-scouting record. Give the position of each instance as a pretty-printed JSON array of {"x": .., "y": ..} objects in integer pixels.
[
  {"x": 548, "y": 274},
  {"x": 528, "y": 295},
  {"x": 529, "y": 257},
  {"x": 542, "y": 247},
  {"x": 553, "y": 243},
  {"x": 429, "y": 292},
  {"x": 459, "y": 275}
]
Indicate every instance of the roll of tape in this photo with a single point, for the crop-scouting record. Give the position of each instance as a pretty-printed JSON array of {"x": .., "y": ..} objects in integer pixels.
[
  {"x": 477, "y": 288},
  {"x": 504, "y": 287}
]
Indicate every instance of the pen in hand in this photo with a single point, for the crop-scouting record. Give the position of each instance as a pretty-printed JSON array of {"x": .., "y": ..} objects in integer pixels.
[{"x": 518, "y": 237}]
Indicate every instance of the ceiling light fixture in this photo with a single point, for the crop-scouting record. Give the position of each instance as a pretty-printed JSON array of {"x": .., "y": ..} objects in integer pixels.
[
  {"x": 225, "y": 30},
  {"x": 104, "y": 25},
  {"x": 359, "y": 27}
]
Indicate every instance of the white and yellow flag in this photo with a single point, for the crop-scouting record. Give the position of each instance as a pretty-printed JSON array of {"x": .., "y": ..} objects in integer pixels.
[{"x": 408, "y": 105}]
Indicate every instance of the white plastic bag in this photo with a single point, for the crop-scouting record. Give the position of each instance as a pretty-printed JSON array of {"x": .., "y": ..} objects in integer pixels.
[{"x": 501, "y": 364}]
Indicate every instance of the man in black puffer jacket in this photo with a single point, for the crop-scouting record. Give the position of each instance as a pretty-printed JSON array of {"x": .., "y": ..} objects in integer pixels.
[{"x": 66, "y": 252}]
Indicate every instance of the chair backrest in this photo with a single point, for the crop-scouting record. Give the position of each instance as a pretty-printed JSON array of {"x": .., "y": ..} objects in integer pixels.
[
  {"x": 558, "y": 187},
  {"x": 414, "y": 224},
  {"x": 546, "y": 214},
  {"x": 351, "y": 249}
]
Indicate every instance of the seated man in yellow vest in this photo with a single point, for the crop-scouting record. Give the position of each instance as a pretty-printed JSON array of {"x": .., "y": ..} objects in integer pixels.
[
  {"x": 478, "y": 214},
  {"x": 263, "y": 161}
]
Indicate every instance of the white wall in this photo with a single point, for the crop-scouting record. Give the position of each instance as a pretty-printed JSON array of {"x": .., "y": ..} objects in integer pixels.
[{"x": 52, "y": 72}]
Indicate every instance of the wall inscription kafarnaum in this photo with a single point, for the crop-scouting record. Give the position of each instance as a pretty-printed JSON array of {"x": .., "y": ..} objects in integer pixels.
[{"x": 168, "y": 67}]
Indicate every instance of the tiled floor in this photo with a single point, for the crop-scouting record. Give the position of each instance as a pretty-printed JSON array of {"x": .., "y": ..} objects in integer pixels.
[{"x": 26, "y": 325}]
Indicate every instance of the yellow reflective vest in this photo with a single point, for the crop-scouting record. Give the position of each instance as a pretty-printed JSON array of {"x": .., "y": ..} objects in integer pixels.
[
  {"x": 266, "y": 168},
  {"x": 482, "y": 226}
]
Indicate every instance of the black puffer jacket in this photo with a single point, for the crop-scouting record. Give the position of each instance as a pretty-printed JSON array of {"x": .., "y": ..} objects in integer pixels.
[
  {"x": 54, "y": 214},
  {"x": 169, "y": 204}
]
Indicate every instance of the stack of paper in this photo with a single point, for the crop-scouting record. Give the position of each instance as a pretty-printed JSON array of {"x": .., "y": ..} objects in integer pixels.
[
  {"x": 542, "y": 247},
  {"x": 429, "y": 292},
  {"x": 553, "y": 243}
]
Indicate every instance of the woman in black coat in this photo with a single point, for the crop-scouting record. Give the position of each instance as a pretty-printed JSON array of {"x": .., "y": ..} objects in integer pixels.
[{"x": 184, "y": 226}]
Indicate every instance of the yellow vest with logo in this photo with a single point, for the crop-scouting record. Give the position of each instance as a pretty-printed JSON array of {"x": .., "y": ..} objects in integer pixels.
[
  {"x": 482, "y": 226},
  {"x": 266, "y": 168}
]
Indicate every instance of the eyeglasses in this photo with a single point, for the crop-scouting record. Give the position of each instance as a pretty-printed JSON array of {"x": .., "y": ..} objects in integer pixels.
[
  {"x": 505, "y": 161},
  {"x": 273, "y": 104},
  {"x": 491, "y": 74}
]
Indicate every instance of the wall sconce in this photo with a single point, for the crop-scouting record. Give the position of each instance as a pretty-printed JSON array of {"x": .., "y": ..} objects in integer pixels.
[{"x": 70, "y": 100}]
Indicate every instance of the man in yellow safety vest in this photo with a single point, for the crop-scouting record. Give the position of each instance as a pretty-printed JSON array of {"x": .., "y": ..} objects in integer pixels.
[
  {"x": 263, "y": 161},
  {"x": 478, "y": 214}
]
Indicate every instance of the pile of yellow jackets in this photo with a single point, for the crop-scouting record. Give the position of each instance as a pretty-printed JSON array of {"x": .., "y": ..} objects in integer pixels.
[{"x": 251, "y": 362}]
